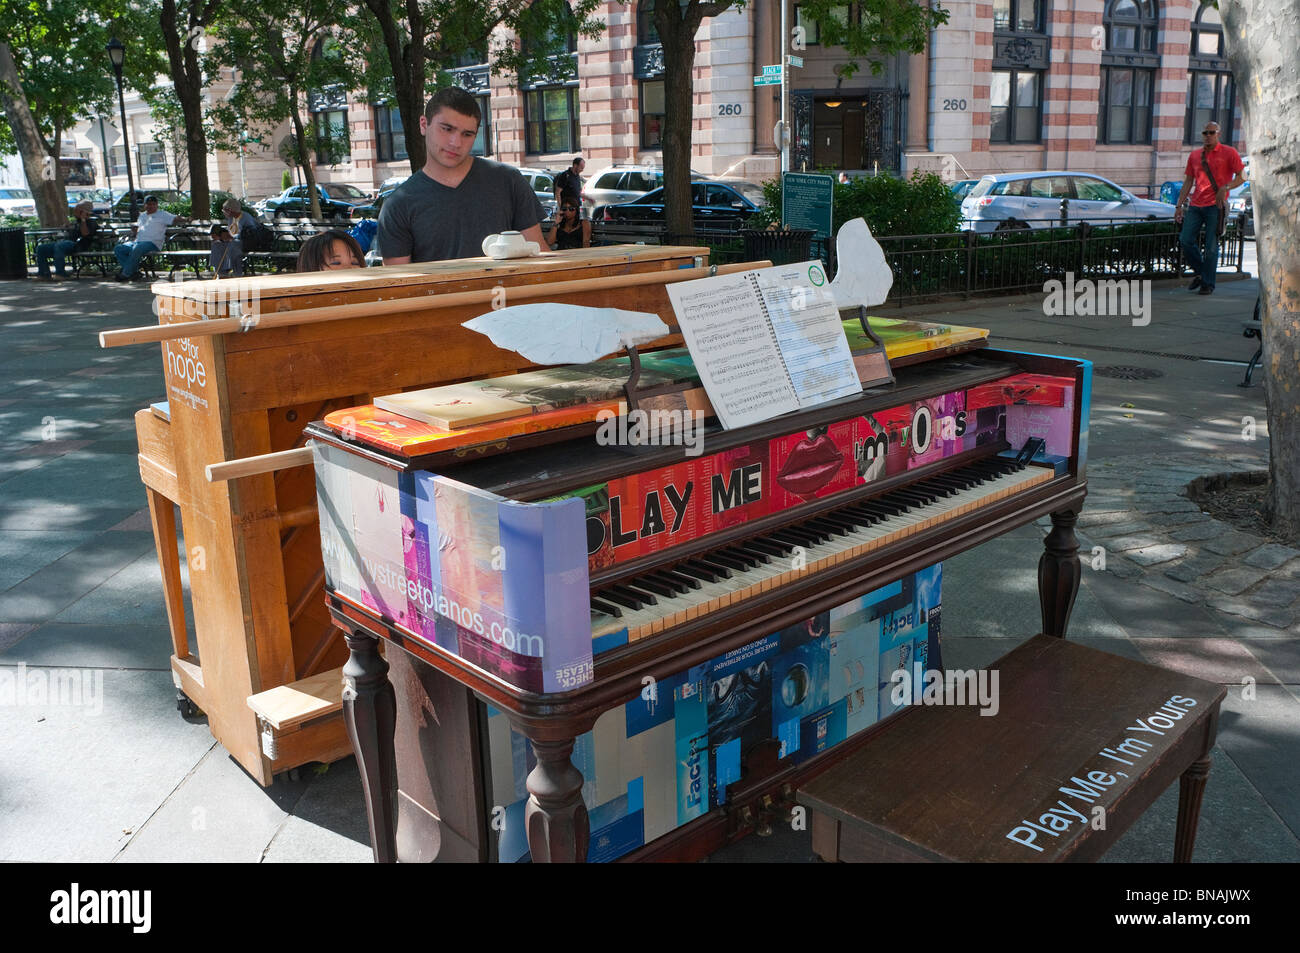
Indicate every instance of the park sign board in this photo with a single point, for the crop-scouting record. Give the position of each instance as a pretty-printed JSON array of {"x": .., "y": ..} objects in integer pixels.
[{"x": 806, "y": 201}]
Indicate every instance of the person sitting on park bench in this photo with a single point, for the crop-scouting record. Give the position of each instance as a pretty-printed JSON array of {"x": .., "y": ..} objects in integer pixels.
[
  {"x": 80, "y": 237},
  {"x": 149, "y": 234},
  {"x": 227, "y": 257}
]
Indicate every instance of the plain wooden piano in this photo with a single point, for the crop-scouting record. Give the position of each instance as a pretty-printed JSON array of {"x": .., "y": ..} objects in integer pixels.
[{"x": 612, "y": 579}]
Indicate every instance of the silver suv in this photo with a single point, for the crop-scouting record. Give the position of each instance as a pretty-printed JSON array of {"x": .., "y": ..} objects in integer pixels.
[
  {"x": 622, "y": 183},
  {"x": 1033, "y": 200}
]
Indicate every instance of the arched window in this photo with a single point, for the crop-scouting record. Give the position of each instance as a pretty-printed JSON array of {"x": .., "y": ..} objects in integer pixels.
[
  {"x": 1211, "y": 93},
  {"x": 1128, "y": 72}
]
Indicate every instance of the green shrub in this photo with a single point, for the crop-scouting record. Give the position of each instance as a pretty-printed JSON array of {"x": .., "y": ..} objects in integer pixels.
[
  {"x": 920, "y": 205},
  {"x": 286, "y": 180}
]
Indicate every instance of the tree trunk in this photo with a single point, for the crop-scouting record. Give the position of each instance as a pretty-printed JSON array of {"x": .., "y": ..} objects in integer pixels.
[
  {"x": 48, "y": 191},
  {"x": 308, "y": 172},
  {"x": 407, "y": 62},
  {"x": 187, "y": 78},
  {"x": 677, "y": 25},
  {"x": 679, "y": 62},
  {"x": 1262, "y": 37}
]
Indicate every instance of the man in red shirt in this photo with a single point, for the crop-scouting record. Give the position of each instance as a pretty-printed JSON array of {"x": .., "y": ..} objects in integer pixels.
[{"x": 1207, "y": 204}]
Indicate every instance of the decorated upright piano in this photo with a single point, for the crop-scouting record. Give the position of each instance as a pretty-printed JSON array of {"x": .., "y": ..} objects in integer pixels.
[{"x": 596, "y": 651}]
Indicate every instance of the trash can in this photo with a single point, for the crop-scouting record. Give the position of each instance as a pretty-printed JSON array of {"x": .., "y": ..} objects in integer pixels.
[
  {"x": 780, "y": 247},
  {"x": 13, "y": 253}
]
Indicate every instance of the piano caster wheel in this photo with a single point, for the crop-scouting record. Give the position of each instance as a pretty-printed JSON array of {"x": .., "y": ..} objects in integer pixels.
[
  {"x": 186, "y": 707},
  {"x": 764, "y": 829}
]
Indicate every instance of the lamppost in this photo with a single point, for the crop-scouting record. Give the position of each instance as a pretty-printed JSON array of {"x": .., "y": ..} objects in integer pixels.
[{"x": 116, "y": 54}]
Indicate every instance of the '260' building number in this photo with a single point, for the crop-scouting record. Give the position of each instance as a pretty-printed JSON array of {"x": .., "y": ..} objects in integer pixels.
[{"x": 729, "y": 109}]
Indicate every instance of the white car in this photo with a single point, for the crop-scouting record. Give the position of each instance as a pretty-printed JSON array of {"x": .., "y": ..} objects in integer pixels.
[
  {"x": 623, "y": 183},
  {"x": 17, "y": 202},
  {"x": 1021, "y": 200}
]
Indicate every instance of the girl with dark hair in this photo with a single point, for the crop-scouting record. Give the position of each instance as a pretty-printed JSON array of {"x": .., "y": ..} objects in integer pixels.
[
  {"x": 330, "y": 250},
  {"x": 570, "y": 231}
]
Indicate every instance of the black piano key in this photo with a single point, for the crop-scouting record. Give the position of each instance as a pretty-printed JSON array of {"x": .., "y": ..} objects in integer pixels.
[
  {"x": 621, "y": 596},
  {"x": 862, "y": 516},
  {"x": 645, "y": 595},
  {"x": 750, "y": 559},
  {"x": 841, "y": 519},
  {"x": 730, "y": 560},
  {"x": 649, "y": 584},
  {"x": 916, "y": 496},
  {"x": 608, "y": 608},
  {"x": 937, "y": 488},
  {"x": 680, "y": 579},
  {"x": 709, "y": 572},
  {"x": 955, "y": 481},
  {"x": 827, "y": 526},
  {"x": 772, "y": 547},
  {"x": 717, "y": 565},
  {"x": 794, "y": 536},
  {"x": 752, "y": 551}
]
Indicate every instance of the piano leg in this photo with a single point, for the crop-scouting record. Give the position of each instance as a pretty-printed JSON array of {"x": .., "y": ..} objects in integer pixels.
[
  {"x": 1058, "y": 573},
  {"x": 370, "y": 712},
  {"x": 555, "y": 817}
]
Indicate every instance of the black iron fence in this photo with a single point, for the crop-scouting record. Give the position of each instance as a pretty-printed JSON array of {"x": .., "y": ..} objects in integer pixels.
[{"x": 968, "y": 264}]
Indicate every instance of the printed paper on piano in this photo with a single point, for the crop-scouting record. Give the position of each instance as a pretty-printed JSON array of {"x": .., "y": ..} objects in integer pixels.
[{"x": 765, "y": 342}]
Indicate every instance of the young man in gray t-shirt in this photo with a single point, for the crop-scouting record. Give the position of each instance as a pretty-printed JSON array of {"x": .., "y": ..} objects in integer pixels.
[{"x": 447, "y": 208}]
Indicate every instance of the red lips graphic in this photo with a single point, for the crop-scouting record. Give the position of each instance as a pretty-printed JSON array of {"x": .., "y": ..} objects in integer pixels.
[{"x": 811, "y": 465}]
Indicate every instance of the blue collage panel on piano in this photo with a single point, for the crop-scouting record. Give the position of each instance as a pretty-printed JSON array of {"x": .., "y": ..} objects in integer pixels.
[{"x": 668, "y": 756}]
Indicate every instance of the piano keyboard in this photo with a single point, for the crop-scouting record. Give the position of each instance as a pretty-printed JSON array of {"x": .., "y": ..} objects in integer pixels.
[{"x": 666, "y": 597}]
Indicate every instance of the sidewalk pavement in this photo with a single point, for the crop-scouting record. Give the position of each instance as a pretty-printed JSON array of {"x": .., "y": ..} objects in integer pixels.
[{"x": 127, "y": 779}]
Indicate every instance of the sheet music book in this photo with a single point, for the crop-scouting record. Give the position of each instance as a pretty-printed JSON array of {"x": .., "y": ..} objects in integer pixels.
[{"x": 765, "y": 342}]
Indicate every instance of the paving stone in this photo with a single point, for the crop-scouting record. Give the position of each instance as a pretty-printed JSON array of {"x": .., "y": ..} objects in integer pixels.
[
  {"x": 1225, "y": 661},
  {"x": 1269, "y": 615},
  {"x": 1194, "y": 567},
  {"x": 1120, "y": 567},
  {"x": 1090, "y": 517},
  {"x": 1179, "y": 590},
  {"x": 1234, "y": 581},
  {"x": 1164, "y": 504},
  {"x": 1233, "y": 542},
  {"x": 1196, "y": 532},
  {"x": 1154, "y": 555},
  {"x": 1277, "y": 592},
  {"x": 1124, "y": 543},
  {"x": 1121, "y": 529},
  {"x": 1270, "y": 556}
]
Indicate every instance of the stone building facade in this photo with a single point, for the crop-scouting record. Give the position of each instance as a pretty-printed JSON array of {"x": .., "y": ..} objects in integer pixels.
[{"x": 1117, "y": 87}]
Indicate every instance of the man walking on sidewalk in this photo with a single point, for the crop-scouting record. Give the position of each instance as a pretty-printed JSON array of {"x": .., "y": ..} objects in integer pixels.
[{"x": 1206, "y": 177}]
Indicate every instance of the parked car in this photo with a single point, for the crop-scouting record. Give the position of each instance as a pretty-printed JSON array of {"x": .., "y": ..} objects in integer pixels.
[
  {"x": 717, "y": 205},
  {"x": 101, "y": 199},
  {"x": 1239, "y": 201},
  {"x": 338, "y": 200},
  {"x": 1033, "y": 200},
  {"x": 17, "y": 202},
  {"x": 961, "y": 189},
  {"x": 122, "y": 202},
  {"x": 543, "y": 184},
  {"x": 622, "y": 183}
]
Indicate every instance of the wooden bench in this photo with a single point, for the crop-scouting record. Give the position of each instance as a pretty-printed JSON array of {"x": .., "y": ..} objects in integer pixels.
[
  {"x": 1081, "y": 744},
  {"x": 276, "y": 261}
]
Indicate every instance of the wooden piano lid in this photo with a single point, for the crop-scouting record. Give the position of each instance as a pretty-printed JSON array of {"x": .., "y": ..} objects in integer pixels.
[{"x": 548, "y": 266}]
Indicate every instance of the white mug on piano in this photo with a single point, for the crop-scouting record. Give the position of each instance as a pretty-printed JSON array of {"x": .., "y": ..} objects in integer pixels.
[{"x": 509, "y": 245}]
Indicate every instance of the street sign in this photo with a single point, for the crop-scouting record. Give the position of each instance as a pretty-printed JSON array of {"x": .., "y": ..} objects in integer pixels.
[
  {"x": 806, "y": 201},
  {"x": 772, "y": 70},
  {"x": 794, "y": 60},
  {"x": 767, "y": 80}
]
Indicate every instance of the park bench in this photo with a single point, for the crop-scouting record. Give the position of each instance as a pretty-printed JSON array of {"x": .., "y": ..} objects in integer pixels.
[{"x": 1081, "y": 744}]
